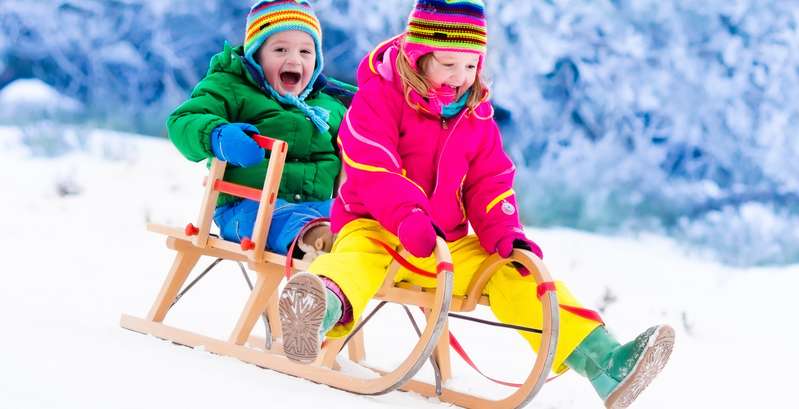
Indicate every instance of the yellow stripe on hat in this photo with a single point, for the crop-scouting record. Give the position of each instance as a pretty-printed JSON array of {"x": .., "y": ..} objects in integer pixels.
[
  {"x": 460, "y": 34},
  {"x": 283, "y": 16}
]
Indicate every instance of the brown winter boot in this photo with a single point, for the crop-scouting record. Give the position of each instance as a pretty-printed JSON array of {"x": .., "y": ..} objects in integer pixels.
[{"x": 308, "y": 310}]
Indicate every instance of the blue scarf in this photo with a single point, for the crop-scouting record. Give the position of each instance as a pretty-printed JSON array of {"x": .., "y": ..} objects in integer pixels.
[
  {"x": 450, "y": 110},
  {"x": 317, "y": 115}
]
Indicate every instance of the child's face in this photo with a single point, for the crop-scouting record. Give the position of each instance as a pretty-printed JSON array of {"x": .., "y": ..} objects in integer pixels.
[
  {"x": 455, "y": 69},
  {"x": 288, "y": 59}
]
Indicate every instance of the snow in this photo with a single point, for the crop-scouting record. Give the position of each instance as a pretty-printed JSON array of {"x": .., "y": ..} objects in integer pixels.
[
  {"x": 31, "y": 93},
  {"x": 77, "y": 256}
]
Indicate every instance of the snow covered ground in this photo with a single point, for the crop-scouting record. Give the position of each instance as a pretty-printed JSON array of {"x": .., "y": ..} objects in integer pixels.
[{"x": 76, "y": 255}]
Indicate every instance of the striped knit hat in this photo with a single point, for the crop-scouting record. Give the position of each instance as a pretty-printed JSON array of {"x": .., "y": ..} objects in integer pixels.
[
  {"x": 273, "y": 16},
  {"x": 445, "y": 25}
]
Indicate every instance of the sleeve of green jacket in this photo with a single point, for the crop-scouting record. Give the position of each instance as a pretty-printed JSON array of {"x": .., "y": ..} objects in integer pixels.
[{"x": 211, "y": 103}]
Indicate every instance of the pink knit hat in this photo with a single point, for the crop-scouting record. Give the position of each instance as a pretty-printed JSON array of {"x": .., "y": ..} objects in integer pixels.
[{"x": 445, "y": 25}]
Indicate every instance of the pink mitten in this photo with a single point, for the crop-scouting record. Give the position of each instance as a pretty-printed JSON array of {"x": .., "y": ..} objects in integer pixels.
[
  {"x": 417, "y": 235},
  {"x": 506, "y": 245}
]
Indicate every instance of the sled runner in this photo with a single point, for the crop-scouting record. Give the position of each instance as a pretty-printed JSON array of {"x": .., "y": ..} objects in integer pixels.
[{"x": 433, "y": 344}]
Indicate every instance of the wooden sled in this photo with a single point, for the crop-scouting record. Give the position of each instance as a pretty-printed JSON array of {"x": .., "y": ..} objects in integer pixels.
[{"x": 192, "y": 242}]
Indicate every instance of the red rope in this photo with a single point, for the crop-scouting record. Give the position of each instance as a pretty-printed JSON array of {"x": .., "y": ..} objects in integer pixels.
[
  {"x": 453, "y": 342},
  {"x": 456, "y": 346},
  {"x": 583, "y": 312},
  {"x": 592, "y": 315},
  {"x": 541, "y": 290},
  {"x": 403, "y": 262}
]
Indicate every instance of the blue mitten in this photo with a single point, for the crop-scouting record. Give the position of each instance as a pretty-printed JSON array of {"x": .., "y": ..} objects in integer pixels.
[{"x": 231, "y": 143}]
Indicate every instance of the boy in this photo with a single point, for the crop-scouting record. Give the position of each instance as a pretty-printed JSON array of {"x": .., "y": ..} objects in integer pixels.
[{"x": 272, "y": 85}]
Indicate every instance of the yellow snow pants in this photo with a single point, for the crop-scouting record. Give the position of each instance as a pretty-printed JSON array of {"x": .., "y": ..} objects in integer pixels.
[{"x": 359, "y": 267}]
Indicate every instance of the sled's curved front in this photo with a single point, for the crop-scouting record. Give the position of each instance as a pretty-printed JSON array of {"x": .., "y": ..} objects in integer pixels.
[
  {"x": 391, "y": 380},
  {"x": 546, "y": 351}
]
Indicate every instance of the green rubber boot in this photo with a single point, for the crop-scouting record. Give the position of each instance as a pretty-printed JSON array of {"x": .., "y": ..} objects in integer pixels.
[
  {"x": 618, "y": 372},
  {"x": 333, "y": 311}
]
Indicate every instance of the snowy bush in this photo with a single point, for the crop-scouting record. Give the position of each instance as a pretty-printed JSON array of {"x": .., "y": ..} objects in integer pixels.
[{"x": 669, "y": 115}]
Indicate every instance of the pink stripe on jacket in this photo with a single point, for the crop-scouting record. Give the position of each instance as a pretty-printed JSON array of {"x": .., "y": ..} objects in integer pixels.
[{"x": 397, "y": 159}]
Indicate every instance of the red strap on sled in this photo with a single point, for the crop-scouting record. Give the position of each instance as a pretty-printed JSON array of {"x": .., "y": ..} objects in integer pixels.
[
  {"x": 456, "y": 346},
  {"x": 583, "y": 312},
  {"x": 405, "y": 263},
  {"x": 544, "y": 288},
  {"x": 453, "y": 342},
  {"x": 541, "y": 290},
  {"x": 592, "y": 315}
]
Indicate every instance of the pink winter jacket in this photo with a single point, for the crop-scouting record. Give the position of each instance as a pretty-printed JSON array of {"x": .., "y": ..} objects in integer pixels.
[{"x": 398, "y": 159}]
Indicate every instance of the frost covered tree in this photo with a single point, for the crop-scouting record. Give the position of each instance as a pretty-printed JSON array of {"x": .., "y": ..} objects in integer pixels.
[
  {"x": 129, "y": 61},
  {"x": 670, "y": 115}
]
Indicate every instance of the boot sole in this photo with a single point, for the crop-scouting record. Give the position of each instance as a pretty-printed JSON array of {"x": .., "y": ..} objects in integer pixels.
[
  {"x": 651, "y": 363},
  {"x": 302, "y": 308}
]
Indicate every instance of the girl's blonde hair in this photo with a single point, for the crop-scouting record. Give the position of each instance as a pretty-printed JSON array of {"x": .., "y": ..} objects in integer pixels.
[{"x": 414, "y": 80}]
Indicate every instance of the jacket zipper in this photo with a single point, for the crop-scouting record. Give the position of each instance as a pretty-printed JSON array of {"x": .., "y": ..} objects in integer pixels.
[{"x": 444, "y": 145}]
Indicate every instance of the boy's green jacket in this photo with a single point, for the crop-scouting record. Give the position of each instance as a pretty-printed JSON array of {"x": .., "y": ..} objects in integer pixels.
[{"x": 228, "y": 94}]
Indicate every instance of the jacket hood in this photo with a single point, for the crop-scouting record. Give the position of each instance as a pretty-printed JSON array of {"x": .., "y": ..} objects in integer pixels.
[
  {"x": 230, "y": 60},
  {"x": 381, "y": 63}
]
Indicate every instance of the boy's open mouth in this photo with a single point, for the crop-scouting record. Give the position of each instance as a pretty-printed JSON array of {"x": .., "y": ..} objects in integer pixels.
[{"x": 290, "y": 78}]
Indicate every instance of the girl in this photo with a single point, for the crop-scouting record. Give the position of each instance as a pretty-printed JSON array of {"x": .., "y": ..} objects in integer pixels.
[{"x": 423, "y": 156}]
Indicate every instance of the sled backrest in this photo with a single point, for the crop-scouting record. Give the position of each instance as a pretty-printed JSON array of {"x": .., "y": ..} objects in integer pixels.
[{"x": 214, "y": 184}]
